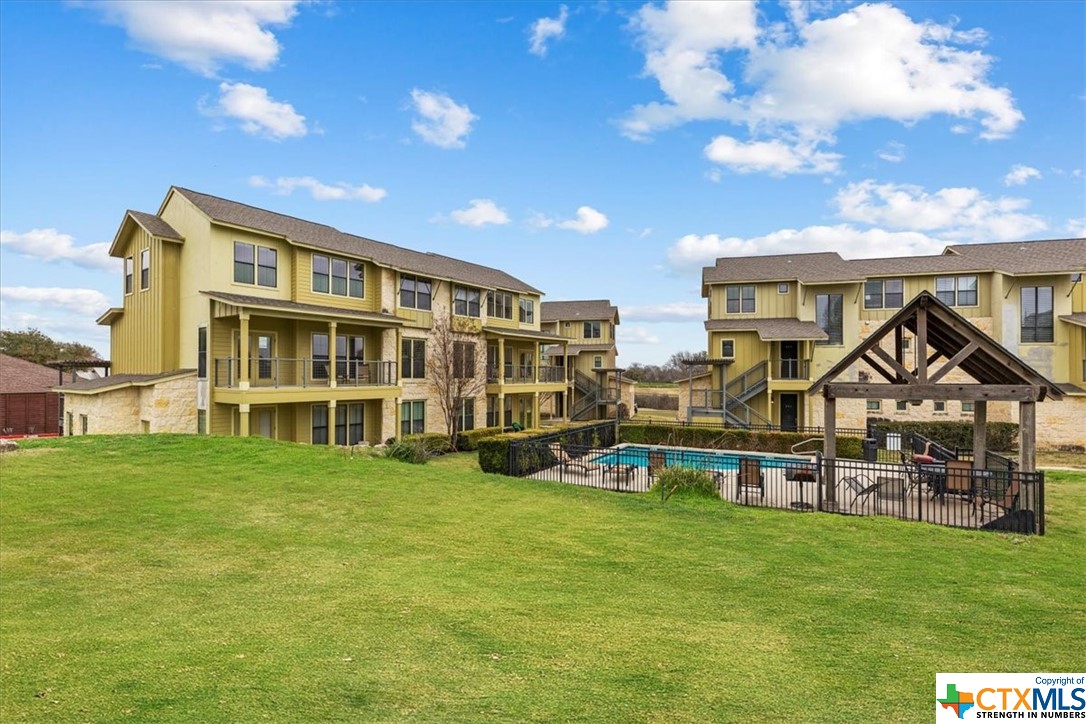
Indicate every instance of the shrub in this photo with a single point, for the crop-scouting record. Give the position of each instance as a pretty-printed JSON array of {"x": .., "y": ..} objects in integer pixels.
[
  {"x": 686, "y": 481},
  {"x": 494, "y": 451},
  {"x": 469, "y": 441},
  {"x": 657, "y": 400},
  {"x": 1002, "y": 436},
  {"x": 419, "y": 448}
]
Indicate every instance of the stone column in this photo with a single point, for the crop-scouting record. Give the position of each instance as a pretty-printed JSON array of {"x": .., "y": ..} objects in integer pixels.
[{"x": 243, "y": 419}]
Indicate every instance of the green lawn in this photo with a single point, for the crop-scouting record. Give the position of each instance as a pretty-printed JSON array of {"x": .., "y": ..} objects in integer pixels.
[{"x": 190, "y": 579}]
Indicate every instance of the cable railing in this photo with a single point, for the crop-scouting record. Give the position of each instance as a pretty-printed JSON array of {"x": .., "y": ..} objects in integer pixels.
[{"x": 275, "y": 372}]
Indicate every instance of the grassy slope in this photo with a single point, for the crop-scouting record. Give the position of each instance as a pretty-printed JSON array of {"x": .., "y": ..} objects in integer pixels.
[{"x": 170, "y": 578}]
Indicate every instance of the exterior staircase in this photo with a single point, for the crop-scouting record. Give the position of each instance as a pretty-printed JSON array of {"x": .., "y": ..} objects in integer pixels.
[{"x": 589, "y": 398}]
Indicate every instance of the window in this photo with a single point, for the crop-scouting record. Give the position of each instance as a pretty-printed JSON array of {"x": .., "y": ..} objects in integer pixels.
[
  {"x": 321, "y": 274},
  {"x": 902, "y": 405},
  {"x": 499, "y": 304},
  {"x": 1036, "y": 314},
  {"x": 906, "y": 342},
  {"x": 884, "y": 294},
  {"x": 957, "y": 291},
  {"x": 412, "y": 417},
  {"x": 492, "y": 411},
  {"x": 128, "y": 268},
  {"x": 201, "y": 353},
  {"x": 413, "y": 362},
  {"x": 463, "y": 360},
  {"x": 83, "y": 424},
  {"x": 145, "y": 269},
  {"x": 874, "y": 405},
  {"x": 829, "y": 315},
  {"x": 349, "y": 424},
  {"x": 266, "y": 266},
  {"x": 465, "y": 414},
  {"x": 597, "y": 362},
  {"x": 466, "y": 302},
  {"x": 244, "y": 263},
  {"x": 201, "y": 422},
  {"x": 592, "y": 330},
  {"x": 320, "y": 357},
  {"x": 782, "y": 288},
  {"x": 414, "y": 292},
  {"x": 338, "y": 276},
  {"x": 968, "y": 408},
  {"x": 527, "y": 311},
  {"x": 727, "y": 348},
  {"x": 350, "y": 356},
  {"x": 319, "y": 417},
  {"x": 739, "y": 299},
  {"x": 939, "y": 405}
]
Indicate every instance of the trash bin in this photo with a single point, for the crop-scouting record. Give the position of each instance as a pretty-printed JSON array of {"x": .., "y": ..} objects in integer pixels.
[{"x": 871, "y": 449}]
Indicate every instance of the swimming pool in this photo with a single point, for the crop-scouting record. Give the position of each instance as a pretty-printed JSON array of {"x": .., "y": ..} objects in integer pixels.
[{"x": 700, "y": 459}]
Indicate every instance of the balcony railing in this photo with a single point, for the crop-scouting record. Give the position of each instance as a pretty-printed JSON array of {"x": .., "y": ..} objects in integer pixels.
[
  {"x": 791, "y": 369},
  {"x": 525, "y": 374},
  {"x": 288, "y": 372}
]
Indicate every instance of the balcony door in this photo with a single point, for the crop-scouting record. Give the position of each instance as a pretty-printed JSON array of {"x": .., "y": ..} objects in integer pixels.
[
  {"x": 789, "y": 366},
  {"x": 789, "y": 412},
  {"x": 261, "y": 354}
]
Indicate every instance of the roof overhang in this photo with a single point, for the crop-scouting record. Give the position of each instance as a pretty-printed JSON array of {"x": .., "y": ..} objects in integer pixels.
[
  {"x": 770, "y": 329},
  {"x": 119, "y": 382},
  {"x": 127, "y": 224},
  {"x": 231, "y": 304},
  {"x": 493, "y": 332},
  {"x": 1078, "y": 318},
  {"x": 111, "y": 316}
]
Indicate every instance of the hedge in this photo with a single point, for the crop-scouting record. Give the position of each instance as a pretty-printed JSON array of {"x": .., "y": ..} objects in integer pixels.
[
  {"x": 1002, "y": 436},
  {"x": 732, "y": 439},
  {"x": 494, "y": 451},
  {"x": 469, "y": 441}
]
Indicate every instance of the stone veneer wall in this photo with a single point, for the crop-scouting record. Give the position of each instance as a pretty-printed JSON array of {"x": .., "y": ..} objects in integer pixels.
[{"x": 167, "y": 406}]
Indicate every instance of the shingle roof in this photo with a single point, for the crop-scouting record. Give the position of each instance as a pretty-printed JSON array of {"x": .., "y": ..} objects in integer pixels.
[
  {"x": 578, "y": 348},
  {"x": 155, "y": 225},
  {"x": 322, "y": 236},
  {"x": 577, "y": 309},
  {"x": 769, "y": 329},
  {"x": 247, "y": 300},
  {"x": 102, "y": 383},
  {"x": 19, "y": 375},
  {"x": 1020, "y": 257},
  {"x": 1078, "y": 318},
  {"x": 521, "y": 333}
]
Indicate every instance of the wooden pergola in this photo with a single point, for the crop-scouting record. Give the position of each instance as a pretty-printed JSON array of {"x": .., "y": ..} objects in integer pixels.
[{"x": 941, "y": 334}]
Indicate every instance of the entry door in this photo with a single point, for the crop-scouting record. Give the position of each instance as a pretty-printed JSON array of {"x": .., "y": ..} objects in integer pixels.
[
  {"x": 789, "y": 360},
  {"x": 262, "y": 422},
  {"x": 261, "y": 352},
  {"x": 350, "y": 428},
  {"x": 789, "y": 412}
]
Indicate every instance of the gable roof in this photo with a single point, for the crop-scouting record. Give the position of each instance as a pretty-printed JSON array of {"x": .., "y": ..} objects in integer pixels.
[
  {"x": 1014, "y": 258},
  {"x": 155, "y": 225},
  {"x": 20, "y": 375},
  {"x": 578, "y": 310},
  {"x": 322, "y": 236}
]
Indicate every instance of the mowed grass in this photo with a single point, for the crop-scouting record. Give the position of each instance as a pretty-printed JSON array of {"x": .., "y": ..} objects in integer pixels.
[{"x": 166, "y": 578}]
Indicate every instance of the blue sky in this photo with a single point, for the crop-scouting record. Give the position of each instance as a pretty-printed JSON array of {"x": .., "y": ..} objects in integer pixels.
[{"x": 593, "y": 150}]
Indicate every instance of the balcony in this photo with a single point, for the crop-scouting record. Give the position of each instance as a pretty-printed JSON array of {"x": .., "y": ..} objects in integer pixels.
[
  {"x": 525, "y": 374},
  {"x": 790, "y": 369},
  {"x": 283, "y": 372}
]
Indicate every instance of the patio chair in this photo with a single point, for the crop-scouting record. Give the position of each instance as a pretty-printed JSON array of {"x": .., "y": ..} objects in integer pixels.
[
  {"x": 861, "y": 485},
  {"x": 566, "y": 462},
  {"x": 1000, "y": 493},
  {"x": 750, "y": 476},
  {"x": 960, "y": 479}
]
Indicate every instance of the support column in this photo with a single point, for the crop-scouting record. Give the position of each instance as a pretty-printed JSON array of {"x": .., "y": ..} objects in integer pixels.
[
  {"x": 535, "y": 409},
  {"x": 501, "y": 361},
  {"x": 243, "y": 353},
  {"x": 332, "y": 364},
  {"x": 331, "y": 422},
  {"x": 395, "y": 418},
  {"x": 243, "y": 419},
  {"x": 1027, "y": 436},
  {"x": 980, "y": 434},
  {"x": 536, "y": 363},
  {"x": 501, "y": 405},
  {"x": 829, "y": 451}
]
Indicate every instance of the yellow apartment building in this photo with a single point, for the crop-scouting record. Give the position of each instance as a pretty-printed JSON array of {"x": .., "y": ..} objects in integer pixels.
[
  {"x": 777, "y": 323},
  {"x": 241, "y": 321}
]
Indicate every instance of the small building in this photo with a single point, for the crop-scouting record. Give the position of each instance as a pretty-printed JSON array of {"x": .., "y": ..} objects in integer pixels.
[{"x": 28, "y": 405}]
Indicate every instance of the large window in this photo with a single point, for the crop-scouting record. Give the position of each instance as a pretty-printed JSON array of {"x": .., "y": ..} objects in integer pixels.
[
  {"x": 500, "y": 305},
  {"x": 319, "y": 425},
  {"x": 145, "y": 269},
  {"x": 465, "y": 414},
  {"x": 592, "y": 330},
  {"x": 412, "y": 417},
  {"x": 128, "y": 271},
  {"x": 465, "y": 301},
  {"x": 349, "y": 426},
  {"x": 350, "y": 353},
  {"x": 201, "y": 353},
  {"x": 884, "y": 294},
  {"x": 413, "y": 359},
  {"x": 338, "y": 276},
  {"x": 1037, "y": 318},
  {"x": 830, "y": 316},
  {"x": 527, "y": 311},
  {"x": 320, "y": 356},
  {"x": 414, "y": 292},
  {"x": 957, "y": 291},
  {"x": 739, "y": 299},
  {"x": 255, "y": 264},
  {"x": 463, "y": 360}
]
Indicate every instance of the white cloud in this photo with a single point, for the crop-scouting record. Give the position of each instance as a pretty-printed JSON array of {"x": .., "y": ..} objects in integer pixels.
[
  {"x": 894, "y": 152},
  {"x": 714, "y": 175},
  {"x": 540, "y": 221},
  {"x": 259, "y": 114},
  {"x": 546, "y": 29},
  {"x": 870, "y": 61},
  {"x": 692, "y": 252},
  {"x": 776, "y": 158},
  {"x": 667, "y": 312},
  {"x": 479, "y": 213},
  {"x": 1075, "y": 228},
  {"x": 646, "y": 232},
  {"x": 588, "y": 221},
  {"x": 51, "y": 245},
  {"x": 1019, "y": 175},
  {"x": 340, "y": 191},
  {"x": 441, "y": 121},
  {"x": 637, "y": 335},
  {"x": 88, "y": 301},
  {"x": 203, "y": 36},
  {"x": 956, "y": 213}
]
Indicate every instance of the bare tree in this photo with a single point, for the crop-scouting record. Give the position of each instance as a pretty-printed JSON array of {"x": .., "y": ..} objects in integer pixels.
[{"x": 454, "y": 368}]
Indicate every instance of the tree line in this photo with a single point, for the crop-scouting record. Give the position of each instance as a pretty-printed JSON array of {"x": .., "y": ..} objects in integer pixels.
[
  {"x": 671, "y": 371},
  {"x": 34, "y": 345}
]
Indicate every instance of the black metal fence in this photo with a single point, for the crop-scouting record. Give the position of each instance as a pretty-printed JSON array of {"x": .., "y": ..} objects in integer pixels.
[
  {"x": 947, "y": 493},
  {"x": 531, "y": 455}
]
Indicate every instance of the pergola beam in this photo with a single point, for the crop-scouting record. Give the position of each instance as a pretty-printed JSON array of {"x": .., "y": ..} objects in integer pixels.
[
  {"x": 895, "y": 365},
  {"x": 968, "y": 392},
  {"x": 878, "y": 368},
  {"x": 953, "y": 362}
]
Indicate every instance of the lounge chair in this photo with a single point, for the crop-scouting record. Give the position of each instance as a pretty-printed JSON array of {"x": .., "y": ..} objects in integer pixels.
[
  {"x": 567, "y": 462},
  {"x": 750, "y": 476},
  {"x": 861, "y": 485}
]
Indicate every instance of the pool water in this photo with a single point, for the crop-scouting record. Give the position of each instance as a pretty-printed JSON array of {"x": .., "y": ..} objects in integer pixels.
[{"x": 699, "y": 459}]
